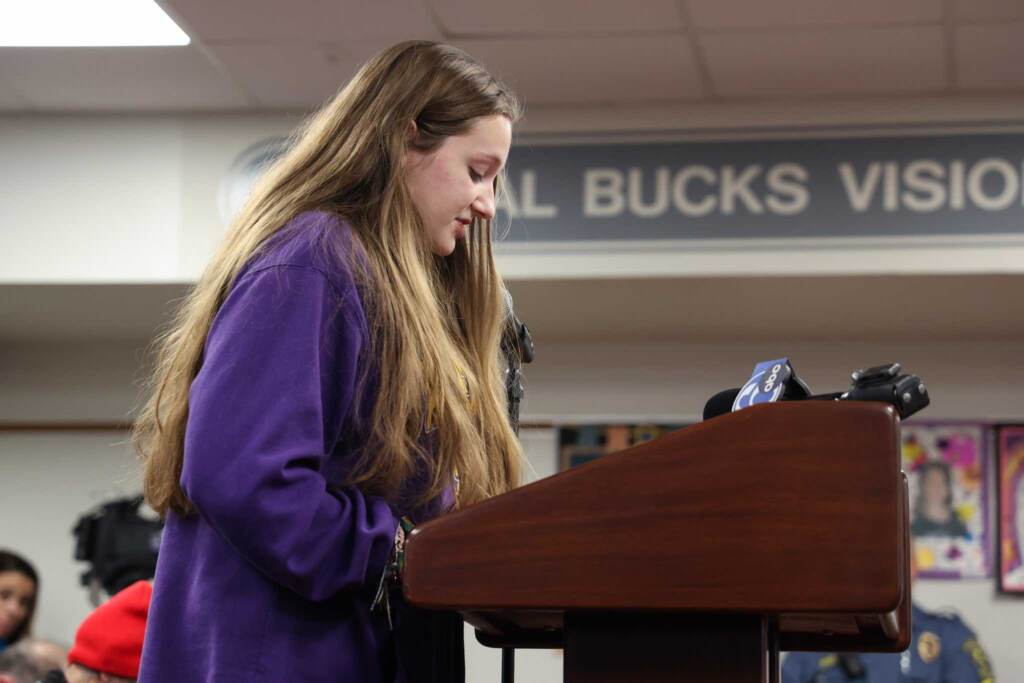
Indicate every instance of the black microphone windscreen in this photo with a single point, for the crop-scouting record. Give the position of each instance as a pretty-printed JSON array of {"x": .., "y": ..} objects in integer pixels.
[{"x": 720, "y": 403}]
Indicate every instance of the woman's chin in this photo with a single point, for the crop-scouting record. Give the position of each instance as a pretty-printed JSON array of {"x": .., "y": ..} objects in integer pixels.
[{"x": 444, "y": 248}]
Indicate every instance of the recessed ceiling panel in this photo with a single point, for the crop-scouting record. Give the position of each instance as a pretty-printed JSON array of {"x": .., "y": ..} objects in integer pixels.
[
  {"x": 813, "y": 62},
  {"x": 727, "y": 14},
  {"x": 466, "y": 18},
  {"x": 621, "y": 69},
  {"x": 120, "y": 79}
]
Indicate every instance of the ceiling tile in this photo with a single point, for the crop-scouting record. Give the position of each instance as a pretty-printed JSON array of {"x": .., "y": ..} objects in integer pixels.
[
  {"x": 309, "y": 21},
  {"x": 269, "y": 72},
  {"x": 592, "y": 70},
  {"x": 473, "y": 18},
  {"x": 989, "y": 56},
  {"x": 825, "y": 61},
  {"x": 724, "y": 14},
  {"x": 121, "y": 78},
  {"x": 987, "y": 10}
]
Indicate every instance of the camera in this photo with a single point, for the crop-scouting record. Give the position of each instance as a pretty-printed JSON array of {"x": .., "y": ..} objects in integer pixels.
[
  {"x": 885, "y": 383},
  {"x": 119, "y": 544}
]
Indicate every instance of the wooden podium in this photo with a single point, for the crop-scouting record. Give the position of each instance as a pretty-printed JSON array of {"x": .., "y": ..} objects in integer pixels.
[{"x": 695, "y": 557}]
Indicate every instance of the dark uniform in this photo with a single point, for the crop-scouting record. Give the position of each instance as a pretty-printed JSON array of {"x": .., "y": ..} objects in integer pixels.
[{"x": 943, "y": 650}]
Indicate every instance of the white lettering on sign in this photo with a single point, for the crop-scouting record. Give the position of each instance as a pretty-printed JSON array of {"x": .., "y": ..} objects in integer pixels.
[
  {"x": 784, "y": 189},
  {"x": 1008, "y": 179},
  {"x": 738, "y": 187},
  {"x": 602, "y": 193},
  {"x": 923, "y": 180},
  {"x": 695, "y": 190},
  {"x": 659, "y": 205},
  {"x": 860, "y": 193},
  {"x": 682, "y": 201},
  {"x": 925, "y": 185},
  {"x": 529, "y": 207},
  {"x": 788, "y": 195}
]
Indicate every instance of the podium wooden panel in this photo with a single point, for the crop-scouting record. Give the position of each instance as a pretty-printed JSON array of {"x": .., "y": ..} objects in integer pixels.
[{"x": 780, "y": 526}]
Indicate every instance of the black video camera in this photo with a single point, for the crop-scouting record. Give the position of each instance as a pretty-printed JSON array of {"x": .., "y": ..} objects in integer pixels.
[
  {"x": 885, "y": 383},
  {"x": 118, "y": 543}
]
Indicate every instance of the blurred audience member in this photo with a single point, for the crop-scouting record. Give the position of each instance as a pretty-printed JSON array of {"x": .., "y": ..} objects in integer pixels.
[
  {"x": 29, "y": 659},
  {"x": 108, "y": 643},
  {"x": 943, "y": 649},
  {"x": 19, "y": 588}
]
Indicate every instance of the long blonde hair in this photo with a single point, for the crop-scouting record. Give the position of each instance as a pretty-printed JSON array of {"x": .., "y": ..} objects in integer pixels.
[{"x": 435, "y": 322}]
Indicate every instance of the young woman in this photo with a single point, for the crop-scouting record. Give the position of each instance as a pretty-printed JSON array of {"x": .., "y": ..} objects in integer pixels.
[
  {"x": 336, "y": 370},
  {"x": 19, "y": 586}
]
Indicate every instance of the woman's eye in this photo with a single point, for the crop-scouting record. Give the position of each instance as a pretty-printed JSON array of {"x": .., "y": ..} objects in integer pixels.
[{"x": 474, "y": 175}]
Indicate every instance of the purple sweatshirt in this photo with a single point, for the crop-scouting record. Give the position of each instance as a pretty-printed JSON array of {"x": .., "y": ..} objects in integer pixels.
[{"x": 272, "y": 579}]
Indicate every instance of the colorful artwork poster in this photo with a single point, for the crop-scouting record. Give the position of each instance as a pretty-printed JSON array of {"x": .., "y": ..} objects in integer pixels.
[
  {"x": 580, "y": 444},
  {"x": 946, "y": 467},
  {"x": 1011, "y": 510}
]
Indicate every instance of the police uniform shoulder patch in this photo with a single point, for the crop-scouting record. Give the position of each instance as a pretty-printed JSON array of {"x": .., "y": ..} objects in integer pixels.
[
  {"x": 828, "y": 661},
  {"x": 980, "y": 660},
  {"x": 928, "y": 647}
]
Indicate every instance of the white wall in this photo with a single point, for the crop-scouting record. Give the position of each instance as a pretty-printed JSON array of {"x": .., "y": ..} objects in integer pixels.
[
  {"x": 132, "y": 198},
  {"x": 48, "y": 480},
  {"x": 572, "y": 381},
  {"x": 89, "y": 199}
]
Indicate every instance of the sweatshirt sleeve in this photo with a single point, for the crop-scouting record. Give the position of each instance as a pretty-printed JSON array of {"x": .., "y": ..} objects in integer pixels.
[{"x": 265, "y": 410}]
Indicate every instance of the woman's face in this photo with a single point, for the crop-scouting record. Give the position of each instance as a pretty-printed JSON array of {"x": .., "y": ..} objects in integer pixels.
[
  {"x": 455, "y": 182},
  {"x": 933, "y": 488},
  {"x": 16, "y": 594}
]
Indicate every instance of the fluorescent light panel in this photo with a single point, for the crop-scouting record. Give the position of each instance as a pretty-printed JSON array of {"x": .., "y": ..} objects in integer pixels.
[{"x": 86, "y": 23}]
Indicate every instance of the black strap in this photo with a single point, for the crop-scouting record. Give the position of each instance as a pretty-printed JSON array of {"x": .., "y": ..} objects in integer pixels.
[{"x": 508, "y": 665}]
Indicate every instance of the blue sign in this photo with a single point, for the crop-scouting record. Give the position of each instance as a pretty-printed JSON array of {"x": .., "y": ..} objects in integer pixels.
[{"x": 914, "y": 185}]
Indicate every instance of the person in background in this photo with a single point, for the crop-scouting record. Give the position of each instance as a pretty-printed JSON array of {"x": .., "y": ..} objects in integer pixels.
[
  {"x": 108, "y": 643},
  {"x": 934, "y": 514},
  {"x": 19, "y": 590},
  {"x": 943, "y": 649},
  {"x": 29, "y": 659}
]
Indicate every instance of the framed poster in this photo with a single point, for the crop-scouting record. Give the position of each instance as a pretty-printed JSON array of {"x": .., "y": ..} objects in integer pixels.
[
  {"x": 1011, "y": 510},
  {"x": 580, "y": 444},
  {"x": 946, "y": 466}
]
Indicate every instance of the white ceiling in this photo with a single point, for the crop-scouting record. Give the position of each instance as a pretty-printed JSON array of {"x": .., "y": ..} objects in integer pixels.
[
  {"x": 274, "y": 55},
  {"x": 863, "y": 308}
]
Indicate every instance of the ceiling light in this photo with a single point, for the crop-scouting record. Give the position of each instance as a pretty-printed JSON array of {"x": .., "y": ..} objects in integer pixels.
[{"x": 80, "y": 23}]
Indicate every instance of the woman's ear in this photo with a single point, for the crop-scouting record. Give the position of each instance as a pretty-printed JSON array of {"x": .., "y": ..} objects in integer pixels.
[{"x": 412, "y": 155}]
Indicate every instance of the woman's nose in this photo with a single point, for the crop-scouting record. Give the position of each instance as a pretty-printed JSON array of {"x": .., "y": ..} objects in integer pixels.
[{"x": 483, "y": 205}]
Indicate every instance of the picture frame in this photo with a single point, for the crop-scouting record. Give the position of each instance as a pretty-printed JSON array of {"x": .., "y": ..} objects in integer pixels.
[
  {"x": 1010, "y": 506},
  {"x": 947, "y": 467},
  {"x": 579, "y": 444}
]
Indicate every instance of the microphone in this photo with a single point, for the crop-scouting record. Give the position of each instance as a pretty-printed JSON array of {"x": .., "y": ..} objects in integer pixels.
[
  {"x": 720, "y": 403},
  {"x": 517, "y": 345},
  {"x": 771, "y": 381},
  {"x": 776, "y": 380},
  {"x": 516, "y": 338}
]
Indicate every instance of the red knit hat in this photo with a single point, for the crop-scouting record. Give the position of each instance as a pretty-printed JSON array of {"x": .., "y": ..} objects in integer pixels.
[{"x": 110, "y": 639}]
